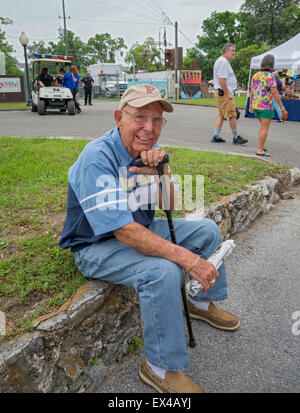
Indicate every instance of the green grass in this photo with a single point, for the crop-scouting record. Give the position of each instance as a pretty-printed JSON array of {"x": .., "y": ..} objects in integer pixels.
[
  {"x": 240, "y": 101},
  {"x": 115, "y": 99},
  {"x": 14, "y": 105},
  {"x": 36, "y": 276},
  {"x": 135, "y": 343}
]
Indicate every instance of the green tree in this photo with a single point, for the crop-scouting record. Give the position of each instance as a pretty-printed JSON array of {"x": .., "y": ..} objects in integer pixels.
[
  {"x": 241, "y": 62},
  {"x": 271, "y": 22},
  {"x": 76, "y": 48},
  {"x": 218, "y": 29},
  {"x": 11, "y": 63},
  {"x": 195, "y": 55},
  {"x": 104, "y": 48},
  {"x": 291, "y": 20},
  {"x": 146, "y": 56},
  {"x": 37, "y": 47}
]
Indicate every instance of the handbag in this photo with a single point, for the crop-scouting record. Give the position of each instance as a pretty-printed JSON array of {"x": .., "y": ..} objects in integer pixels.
[{"x": 284, "y": 115}]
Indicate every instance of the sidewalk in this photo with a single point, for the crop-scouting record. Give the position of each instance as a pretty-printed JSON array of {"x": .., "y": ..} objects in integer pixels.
[{"x": 263, "y": 354}]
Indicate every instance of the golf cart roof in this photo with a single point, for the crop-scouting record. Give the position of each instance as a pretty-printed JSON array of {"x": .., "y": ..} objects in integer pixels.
[
  {"x": 48, "y": 58},
  {"x": 44, "y": 60}
]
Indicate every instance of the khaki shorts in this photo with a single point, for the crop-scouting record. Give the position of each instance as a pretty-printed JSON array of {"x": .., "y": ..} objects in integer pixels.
[{"x": 226, "y": 107}]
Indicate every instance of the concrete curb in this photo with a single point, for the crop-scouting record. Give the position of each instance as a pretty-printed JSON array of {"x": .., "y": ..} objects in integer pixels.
[
  {"x": 75, "y": 348},
  {"x": 16, "y": 110},
  {"x": 200, "y": 104},
  {"x": 173, "y": 103}
]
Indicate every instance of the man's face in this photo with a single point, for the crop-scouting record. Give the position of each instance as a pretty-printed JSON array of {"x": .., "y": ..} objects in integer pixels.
[
  {"x": 139, "y": 137},
  {"x": 87, "y": 74},
  {"x": 230, "y": 53}
]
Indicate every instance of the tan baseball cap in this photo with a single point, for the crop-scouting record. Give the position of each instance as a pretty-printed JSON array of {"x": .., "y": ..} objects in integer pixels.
[{"x": 141, "y": 95}]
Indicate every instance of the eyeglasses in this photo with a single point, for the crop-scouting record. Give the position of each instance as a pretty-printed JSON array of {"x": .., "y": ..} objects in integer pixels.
[{"x": 157, "y": 121}]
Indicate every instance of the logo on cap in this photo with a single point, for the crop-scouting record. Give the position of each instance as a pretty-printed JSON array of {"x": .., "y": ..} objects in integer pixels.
[{"x": 150, "y": 89}]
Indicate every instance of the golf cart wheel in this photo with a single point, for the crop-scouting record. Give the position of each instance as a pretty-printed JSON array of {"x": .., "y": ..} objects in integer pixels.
[
  {"x": 33, "y": 107},
  {"x": 71, "y": 107},
  {"x": 107, "y": 93},
  {"x": 41, "y": 107}
]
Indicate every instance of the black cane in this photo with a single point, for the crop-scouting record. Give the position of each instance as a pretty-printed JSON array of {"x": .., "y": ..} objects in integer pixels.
[{"x": 166, "y": 202}]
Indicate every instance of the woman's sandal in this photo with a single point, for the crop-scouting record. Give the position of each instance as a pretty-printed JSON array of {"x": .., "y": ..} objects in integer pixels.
[{"x": 263, "y": 154}]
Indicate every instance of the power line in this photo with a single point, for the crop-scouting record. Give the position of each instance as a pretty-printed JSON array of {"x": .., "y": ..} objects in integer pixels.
[
  {"x": 36, "y": 38},
  {"x": 54, "y": 28},
  {"x": 31, "y": 17},
  {"x": 149, "y": 9},
  {"x": 89, "y": 20},
  {"x": 156, "y": 5},
  {"x": 169, "y": 21},
  {"x": 113, "y": 21},
  {"x": 193, "y": 43},
  {"x": 128, "y": 11}
]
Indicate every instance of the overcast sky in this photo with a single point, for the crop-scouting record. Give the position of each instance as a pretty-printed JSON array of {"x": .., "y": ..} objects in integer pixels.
[{"x": 133, "y": 20}]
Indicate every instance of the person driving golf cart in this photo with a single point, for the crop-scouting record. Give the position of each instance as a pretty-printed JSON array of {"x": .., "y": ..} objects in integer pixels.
[{"x": 44, "y": 79}]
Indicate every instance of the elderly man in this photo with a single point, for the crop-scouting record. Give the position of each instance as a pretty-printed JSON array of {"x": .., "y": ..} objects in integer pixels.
[
  {"x": 225, "y": 84},
  {"x": 112, "y": 232}
]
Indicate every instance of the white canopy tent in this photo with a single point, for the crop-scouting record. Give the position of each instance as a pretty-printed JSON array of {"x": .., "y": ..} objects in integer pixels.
[{"x": 287, "y": 55}]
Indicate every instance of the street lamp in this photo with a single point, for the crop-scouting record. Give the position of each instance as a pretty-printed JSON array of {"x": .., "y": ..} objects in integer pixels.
[{"x": 24, "y": 42}]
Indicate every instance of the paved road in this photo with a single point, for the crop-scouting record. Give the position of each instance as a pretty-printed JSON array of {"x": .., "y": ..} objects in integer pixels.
[
  {"x": 188, "y": 126},
  {"x": 263, "y": 355}
]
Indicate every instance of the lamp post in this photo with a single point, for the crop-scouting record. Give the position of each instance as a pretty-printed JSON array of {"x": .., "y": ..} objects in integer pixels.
[{"x": 24, "y": 42}]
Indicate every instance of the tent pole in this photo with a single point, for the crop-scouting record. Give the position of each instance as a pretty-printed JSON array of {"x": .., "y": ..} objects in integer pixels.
[{"x": 248, "y": 83}]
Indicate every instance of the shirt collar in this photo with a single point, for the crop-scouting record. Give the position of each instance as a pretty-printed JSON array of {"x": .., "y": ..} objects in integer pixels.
[{"x": 124, "y": 157}]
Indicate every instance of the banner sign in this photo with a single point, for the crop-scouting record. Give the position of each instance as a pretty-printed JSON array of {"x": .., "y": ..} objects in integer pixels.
[
  {"x": 190, "y": 84},
  {"x": 10, "y": 85}
]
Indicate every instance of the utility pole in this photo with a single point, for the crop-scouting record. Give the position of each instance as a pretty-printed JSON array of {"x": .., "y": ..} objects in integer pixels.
[
  {"x": 133, "y": 65},
  {"x": 159, "y": 48},
  {"x": 65, "y": 28},
  {"x": 176, "y": 62}
]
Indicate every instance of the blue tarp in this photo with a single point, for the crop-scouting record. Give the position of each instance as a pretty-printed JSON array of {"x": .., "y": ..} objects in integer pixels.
[{"x": 291, "y": 105}]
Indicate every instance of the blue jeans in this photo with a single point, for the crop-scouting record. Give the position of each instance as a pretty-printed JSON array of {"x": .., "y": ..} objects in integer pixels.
[
  {"x": 74, "y": 91},
  {"x": 157, "y": 282}
]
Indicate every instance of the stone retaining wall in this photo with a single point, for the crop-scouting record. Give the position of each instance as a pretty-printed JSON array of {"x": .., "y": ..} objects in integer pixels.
[
  {"x": 75, "y": 348},
  {"x": 235, "y": 212}
]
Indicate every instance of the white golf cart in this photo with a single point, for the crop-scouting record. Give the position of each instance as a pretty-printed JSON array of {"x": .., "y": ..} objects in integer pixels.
[{"x": 55, "y": 96}]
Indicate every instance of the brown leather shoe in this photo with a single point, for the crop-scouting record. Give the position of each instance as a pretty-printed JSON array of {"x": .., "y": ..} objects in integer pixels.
[
  {"x": 215, "y": 316},
  {"x": 174, "y": 382}
]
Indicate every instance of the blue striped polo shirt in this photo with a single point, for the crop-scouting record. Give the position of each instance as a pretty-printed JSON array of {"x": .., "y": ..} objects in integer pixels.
[{"x": 103, "y": 195}]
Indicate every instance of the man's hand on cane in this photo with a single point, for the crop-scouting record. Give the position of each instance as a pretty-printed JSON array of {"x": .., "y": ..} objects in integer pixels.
[{"x": 150, "y": 159}]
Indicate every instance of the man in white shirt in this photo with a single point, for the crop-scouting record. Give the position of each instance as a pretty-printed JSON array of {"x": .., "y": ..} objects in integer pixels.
[{"x": 225, "y": 84}]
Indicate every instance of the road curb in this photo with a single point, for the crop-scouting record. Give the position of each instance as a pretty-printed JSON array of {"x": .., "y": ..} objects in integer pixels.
[
  {"x": 199, "y": 104},
  {"x": 16, "y": 109}
]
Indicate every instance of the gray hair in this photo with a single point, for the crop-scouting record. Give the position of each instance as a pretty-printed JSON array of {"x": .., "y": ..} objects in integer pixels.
[
  {"x": 227, "y": 46},
  {"x": 267, "y": 63}
]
